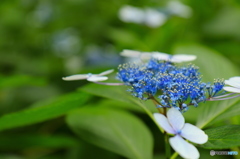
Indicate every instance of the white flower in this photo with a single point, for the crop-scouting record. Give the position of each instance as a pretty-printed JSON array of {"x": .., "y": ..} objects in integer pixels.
[
  {"x": 175, "y": 124},
  {"x": 154, "y": 18},
  {"x": 179, "y": 9},
  {"x": 89, "y": 77},
  {"x": 131, "y": 14},
  {"x": 234, "y": 85},
  {"x": 158, "y": 55},
  {"x": 148, "y": 16}
]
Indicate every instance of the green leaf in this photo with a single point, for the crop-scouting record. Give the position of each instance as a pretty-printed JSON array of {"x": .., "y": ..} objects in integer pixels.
[
  {"x": 212, "y": 65},
  {"x": 44, "y": 111},
  {"x": 224, "y": 24},
  {"x": 113, "y": 130},
  {"x": 108, "y": 103},
  {"x": 119, "y": 93},
  {"x": 85, "y": 150},
  {"x": 20, "y": 80},
  {"x": 16, "y": 142},
  {"x": 223, "y": 137}
]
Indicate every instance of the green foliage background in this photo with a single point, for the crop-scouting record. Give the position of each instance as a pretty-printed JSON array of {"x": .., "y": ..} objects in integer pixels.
[{"x": 44, "y": 117}]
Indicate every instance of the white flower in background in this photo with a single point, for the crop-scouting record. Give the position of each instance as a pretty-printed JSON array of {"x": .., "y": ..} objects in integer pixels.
[
  {"x": 158, "y": 55},
  {"x": 234, "y": 85},
  {"x": 148, "y": 16},
  {"x": 131, "y": 14},
  {"x": 175, "y": 124},
  {"x": 154, "y": 18},
  {"x": 179, "y": 9},
  {"x": 89, "y": 77}
]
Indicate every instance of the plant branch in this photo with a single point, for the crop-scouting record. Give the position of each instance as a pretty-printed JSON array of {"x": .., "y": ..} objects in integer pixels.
[
  {"x": 174, "y": 155},
  {"x": 157, "y": 103},
  {"x": 167, "y": 146}
]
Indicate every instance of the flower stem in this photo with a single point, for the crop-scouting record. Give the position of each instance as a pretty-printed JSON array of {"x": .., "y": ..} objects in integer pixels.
[
  {"x": 167, "y": 146},
  {"x": 156, "y": 103},
  {"x": 174, "y": 155},
  {"x": 215, "y": 99},
  {"x": 165, "y": 111}
]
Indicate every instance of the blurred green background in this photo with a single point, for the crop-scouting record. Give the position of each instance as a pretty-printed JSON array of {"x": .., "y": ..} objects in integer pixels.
[{"x": 43, "y": 41}]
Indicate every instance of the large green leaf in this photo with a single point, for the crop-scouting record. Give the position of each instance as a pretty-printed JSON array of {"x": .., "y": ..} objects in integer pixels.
[
  {"x": 43, "y": 111},
  {"x": 212, "y": 65},
  {"x": 17, "y": 142},
  {"x": 108, "y": 103},
  {"x": 113, "y": 130},
  {"x": 225, "y": 23},
  {"x": 223, "y": 137},
  {"x": 119, "y": 93}
]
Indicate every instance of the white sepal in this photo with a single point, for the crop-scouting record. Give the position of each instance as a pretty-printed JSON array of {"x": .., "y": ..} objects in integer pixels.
[
  {"x": 182, "y": 58},
  {"x": 89, "y": 77},
  {"x": 76, "y": 77},
  {"x": 233, "y": 83},
  {"x": 158, "y": 55},
  {"x": 106, "y": 72},
  {"x": 130, "y": 53},
  {"x": 176, "y": 119},
  {"x": 161, "y": 56},
  {"x": 163, "y": 122},
  {"x": 236, "y": 78},
  {"x": 183, "y": 148},
  {"x": 136, "y": 54},
  {"x": 232, "y": 89},
  {"x": 194, "y": 134},
  {"x": 97, "y": 78},
  {"x": 145, "y": 56}
]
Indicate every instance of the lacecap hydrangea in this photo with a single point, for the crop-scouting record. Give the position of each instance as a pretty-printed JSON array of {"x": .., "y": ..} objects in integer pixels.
[{"x": 171, "y": 85}]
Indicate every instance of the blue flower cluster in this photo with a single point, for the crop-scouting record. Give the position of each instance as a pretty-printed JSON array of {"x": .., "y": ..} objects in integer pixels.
[
  {"x": 213, "y": 90},
  {"x": 174, "y": 86}
]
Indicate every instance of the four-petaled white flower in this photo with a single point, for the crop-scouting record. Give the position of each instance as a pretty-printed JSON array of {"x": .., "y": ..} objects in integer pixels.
[
  {"x": 89, "y": 77},
  {"x": 234, "y": 85},
  {"x": 175, "y": 124},
  {"x": 158, "y": 55}
]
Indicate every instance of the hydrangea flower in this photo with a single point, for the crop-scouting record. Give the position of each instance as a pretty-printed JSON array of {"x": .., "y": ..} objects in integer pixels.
[
  {"x": 234, "y": 85},
  {"x": 89, "y": 77},
  {"x": 158, "y": 55},
  {"x": 175, "y": 86},
  {"x": 175, "y": 124}
]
